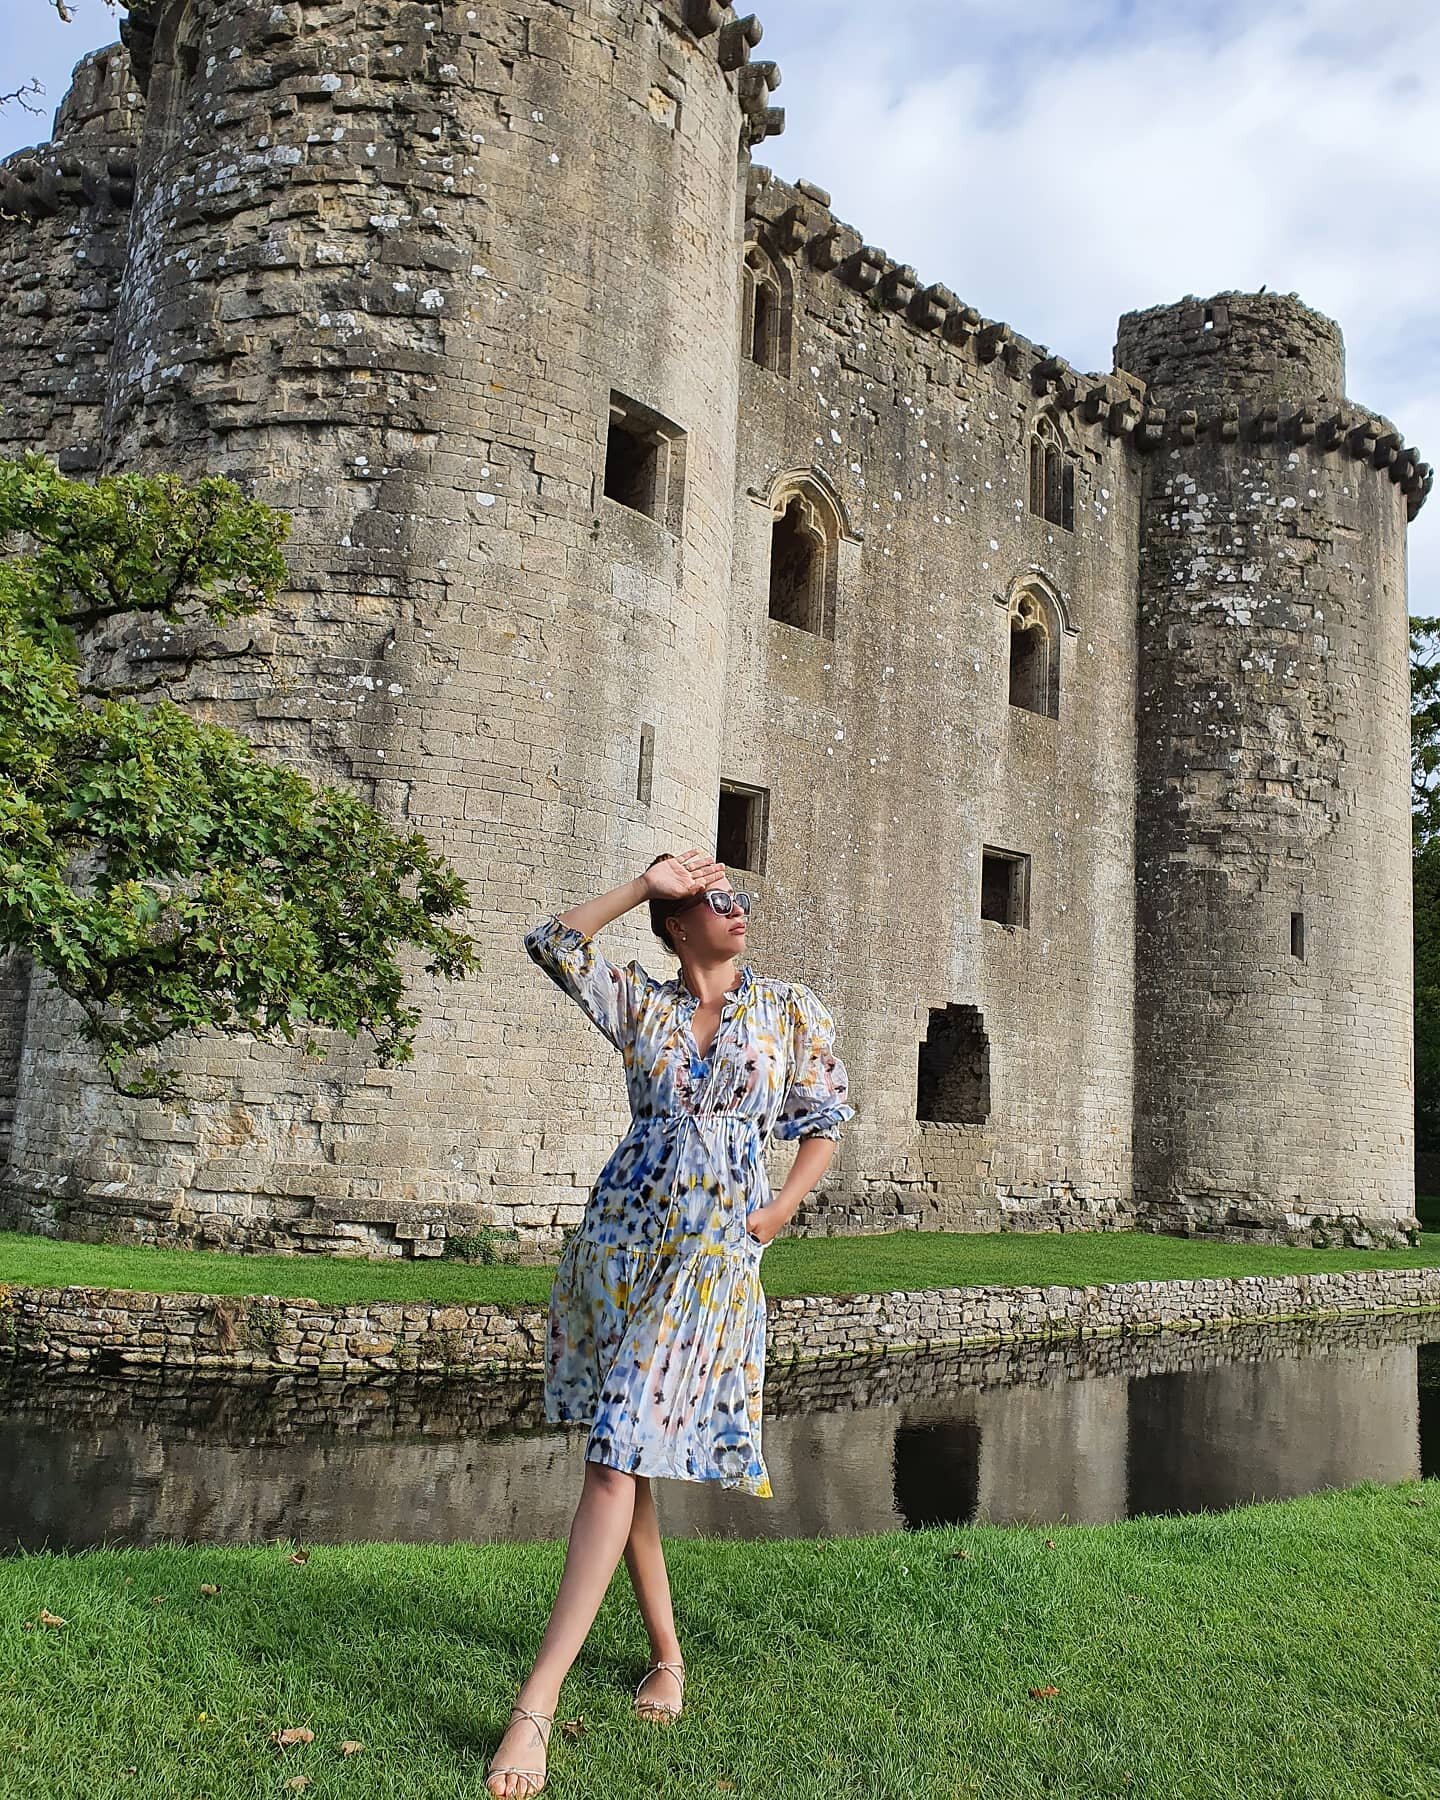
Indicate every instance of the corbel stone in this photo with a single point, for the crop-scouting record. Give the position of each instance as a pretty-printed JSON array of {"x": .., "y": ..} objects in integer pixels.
[
  {"x": 1302, "y": 425},
  {"x": 1150, "y": 433},
  {"x": 1124, "y": 417},
  {"x": 863, "y": 270},
  {"x": 1187, "y": 425},
  {"x": 991, "y": 340},
  {"x": 769, "y": 121},
  {"x": 897, "y": 286},
  {"x": 755, "y": 83},
  {"x": 1048, "y": 373},
  {"x": 1331, "y": 432},
  {"x": 931, "y": 306},
  {"x": 832, "y": 247},
  {"x": 1228, "y": 423},
  {"x": 737, "y": 40},
  {"x": 1265, "y": 426},
  {"x": 791, "y": 230},
  {"x": 1360, "y": 439},
  {"x": 704, "y": 16},
  {"x": 1012, "y": 359},
  {"x": 961, "y": 324},
  {"x": 1387, "y": 449}
]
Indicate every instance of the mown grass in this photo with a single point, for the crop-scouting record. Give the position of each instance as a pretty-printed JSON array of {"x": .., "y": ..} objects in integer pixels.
[
  {"x": 851, "y": 1265},
  {"x": 1286, "y": 1651}
]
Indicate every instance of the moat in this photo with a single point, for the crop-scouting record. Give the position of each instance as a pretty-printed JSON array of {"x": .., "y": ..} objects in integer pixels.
[{"x": 1081, "y": 1432}]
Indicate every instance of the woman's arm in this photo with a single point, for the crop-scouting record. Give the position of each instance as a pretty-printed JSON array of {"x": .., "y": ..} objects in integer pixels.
[
  {"x": 590, "y": 915},
  {"x": 812, "y": 1159}
]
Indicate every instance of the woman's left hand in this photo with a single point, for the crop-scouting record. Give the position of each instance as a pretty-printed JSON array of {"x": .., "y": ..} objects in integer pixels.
[{"x": 759, "y": 1224}]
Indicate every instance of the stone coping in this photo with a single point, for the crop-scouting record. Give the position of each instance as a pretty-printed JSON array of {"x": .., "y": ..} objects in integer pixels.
[{"x": 115, "y": 1327}]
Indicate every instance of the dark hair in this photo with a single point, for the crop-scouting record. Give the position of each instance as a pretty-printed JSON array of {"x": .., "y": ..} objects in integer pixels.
[{"x": 660, "y": 910}]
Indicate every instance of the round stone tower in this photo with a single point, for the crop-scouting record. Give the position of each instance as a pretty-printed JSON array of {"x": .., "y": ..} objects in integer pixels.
[
  {"x": 458, "y": 288},
  {"x": 1273, "y": 1053},
  {"x": 64, "y": 214}
]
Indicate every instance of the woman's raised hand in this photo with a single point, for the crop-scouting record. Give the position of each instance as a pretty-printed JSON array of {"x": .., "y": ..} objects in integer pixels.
[{"x": 677, "y": 877}]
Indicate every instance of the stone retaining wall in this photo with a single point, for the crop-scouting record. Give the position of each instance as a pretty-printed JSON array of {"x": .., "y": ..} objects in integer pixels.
[{"x": 107, "y": 1326}]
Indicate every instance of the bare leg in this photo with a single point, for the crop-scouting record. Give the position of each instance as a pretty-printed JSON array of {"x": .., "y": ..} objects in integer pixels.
[
  {"x": 645, "y": 1561},
  {"x": 597, "y": 1539}
]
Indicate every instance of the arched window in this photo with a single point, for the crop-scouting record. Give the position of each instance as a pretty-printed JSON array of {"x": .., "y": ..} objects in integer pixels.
[
  {"x": 1034, "y": 651},
  {"x": 174, "y": 77},
  {"x": 765, "y": 311},
  {"x": 799, "y": 554},
  {"x": 1052, "y": 475},
  {"x": 808, "y": 532}
]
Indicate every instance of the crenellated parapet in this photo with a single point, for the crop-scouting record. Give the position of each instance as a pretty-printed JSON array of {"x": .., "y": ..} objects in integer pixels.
[
  {"x": 1343, "y": 431},
  {"x": 90, "y": 159},
  {"x": 733, "y": 38},
  {"x": 796, "y": 221},
  {"x": 64, "y": 228},
  {"x": 1258, "y": 369}
]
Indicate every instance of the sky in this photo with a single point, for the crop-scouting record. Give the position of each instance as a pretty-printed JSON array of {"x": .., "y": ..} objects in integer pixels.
[{"x": 1060, "y": 163}]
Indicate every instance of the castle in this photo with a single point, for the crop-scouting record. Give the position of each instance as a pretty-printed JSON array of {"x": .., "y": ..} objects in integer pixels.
[{"x": 1059, "y": 723}]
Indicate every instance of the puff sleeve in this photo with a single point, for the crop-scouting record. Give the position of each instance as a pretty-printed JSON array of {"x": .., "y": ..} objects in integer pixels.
[
  {"x": 816, "y": 1101},
  {"x": 611, "y": 997}
]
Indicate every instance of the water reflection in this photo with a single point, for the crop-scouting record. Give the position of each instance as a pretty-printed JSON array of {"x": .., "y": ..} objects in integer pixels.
[{"x": 1090, "y": 1431}]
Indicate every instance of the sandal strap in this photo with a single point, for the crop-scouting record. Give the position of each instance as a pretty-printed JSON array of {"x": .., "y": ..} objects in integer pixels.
[
  {"x": 539, "y": 1717},
  {"x": 677, "y": 1668}
]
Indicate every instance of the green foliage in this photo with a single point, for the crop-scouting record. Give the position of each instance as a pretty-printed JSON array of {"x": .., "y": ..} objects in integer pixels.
[
  {"x": 1425, "y": 824},
  {"x": 486, "y": 1244},
  {"x": 168, "y": 877}
]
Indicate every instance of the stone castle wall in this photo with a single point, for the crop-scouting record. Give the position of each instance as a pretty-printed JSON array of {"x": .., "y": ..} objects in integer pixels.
[{"x": 387, "y": 266}]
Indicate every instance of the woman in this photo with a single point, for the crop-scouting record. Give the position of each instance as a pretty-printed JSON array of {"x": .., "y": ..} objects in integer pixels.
[{"x": 657, "y": 1319}]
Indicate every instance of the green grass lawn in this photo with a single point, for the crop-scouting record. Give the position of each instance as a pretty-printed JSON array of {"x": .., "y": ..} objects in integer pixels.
[
  {"x": 1281, "y": 1651},
  {"x": 854, "y": 1265}
]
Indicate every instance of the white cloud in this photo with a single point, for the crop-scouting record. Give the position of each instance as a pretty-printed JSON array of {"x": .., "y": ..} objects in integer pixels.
[{"x": 1061, "y": 180}]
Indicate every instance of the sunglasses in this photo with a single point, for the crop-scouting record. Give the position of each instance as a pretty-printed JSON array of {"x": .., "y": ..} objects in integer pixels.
[{"x": 719, "y": 900}]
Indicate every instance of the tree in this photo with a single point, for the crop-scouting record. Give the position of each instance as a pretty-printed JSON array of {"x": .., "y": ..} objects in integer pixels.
[
  {"x": 31, "y": 86},
  {"x": 168, "y": 877},
  {"x": 1425, "y": 831}
]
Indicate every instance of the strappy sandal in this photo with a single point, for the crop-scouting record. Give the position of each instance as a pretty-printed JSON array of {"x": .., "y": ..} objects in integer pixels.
[
  {"x": 659, "y": 1711},
  {"x": 530, "y": 1775}
]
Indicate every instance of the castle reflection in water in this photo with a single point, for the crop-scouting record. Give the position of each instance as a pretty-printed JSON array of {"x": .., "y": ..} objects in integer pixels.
[{"x": 1084, "y": 1432}]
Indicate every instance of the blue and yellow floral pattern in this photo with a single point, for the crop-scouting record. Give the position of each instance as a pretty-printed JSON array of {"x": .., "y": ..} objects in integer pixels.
[{"x": 657, "y": 1318}]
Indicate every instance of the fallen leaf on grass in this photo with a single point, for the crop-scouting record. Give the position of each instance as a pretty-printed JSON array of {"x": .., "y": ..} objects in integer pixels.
[
  {"x": 300, "y": 1556},
  {"x": 963, "y": 1555},
  {"x": 1049, "y": 1543},
  {"x": 49, "y": 1618},
  {"x": 298, "y": 1781},
  {"x": 158, "y": 1599},
  {"x": 208, "y": 1587},
  {"x": 350, "y": 1746},
  {"x": 293, "y": 1734},
  {"x": 1045, "y": 1693},
  {"x": 571, "y": 1728}
]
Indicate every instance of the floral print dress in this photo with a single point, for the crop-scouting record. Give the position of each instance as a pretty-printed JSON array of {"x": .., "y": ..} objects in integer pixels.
[{"x": 656, "y": 1334}]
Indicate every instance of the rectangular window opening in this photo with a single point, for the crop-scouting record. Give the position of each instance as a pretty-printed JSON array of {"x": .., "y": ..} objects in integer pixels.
[
  {"x": 644, "y": 461},
  {"x": 644, "y": 777},
  {"x": 740, "y": 827},
  {"x": 1005, "y": 886}
]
